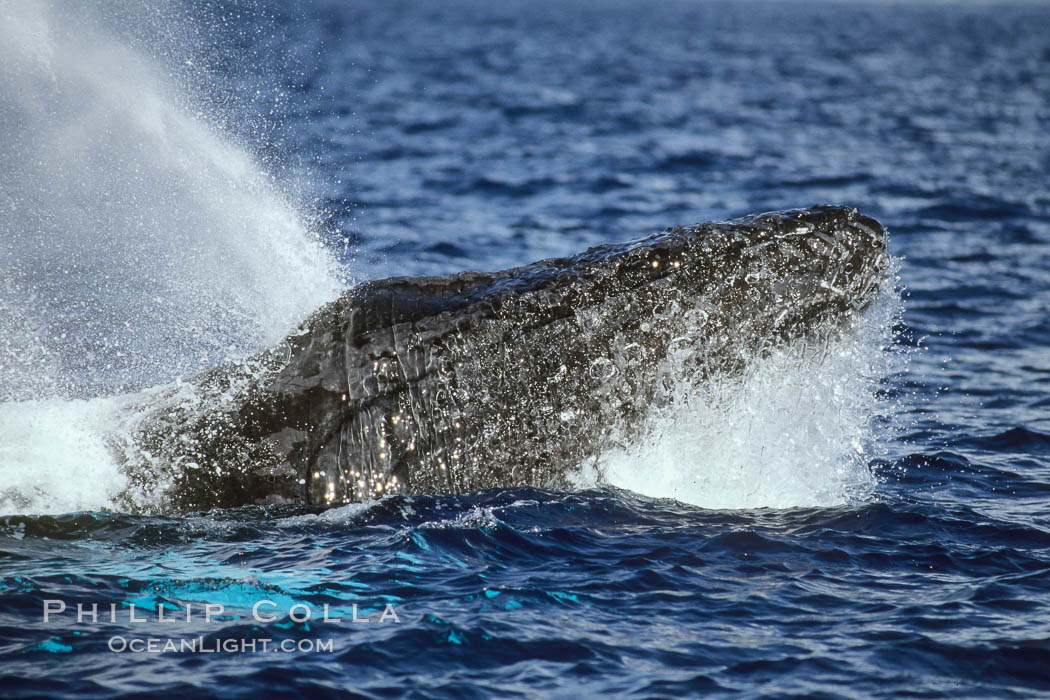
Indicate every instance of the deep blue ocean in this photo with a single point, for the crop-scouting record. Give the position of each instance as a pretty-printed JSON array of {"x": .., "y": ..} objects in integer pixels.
[{"x": 408, "y": 138}]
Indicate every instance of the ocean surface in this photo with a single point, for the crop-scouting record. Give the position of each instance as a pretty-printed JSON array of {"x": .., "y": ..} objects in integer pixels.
[{"x": 182, "y": 183}]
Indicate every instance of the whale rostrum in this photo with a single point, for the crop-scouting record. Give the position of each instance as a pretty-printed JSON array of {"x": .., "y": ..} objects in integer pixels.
[{"x": 497, "y": 379}]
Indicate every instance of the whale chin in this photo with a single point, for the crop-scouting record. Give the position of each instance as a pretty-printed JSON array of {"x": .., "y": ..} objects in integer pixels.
[{"x": 497, "y": 379}]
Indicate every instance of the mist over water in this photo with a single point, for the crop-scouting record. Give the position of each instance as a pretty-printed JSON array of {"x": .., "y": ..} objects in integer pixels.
[{"x": 138, "y": 243}]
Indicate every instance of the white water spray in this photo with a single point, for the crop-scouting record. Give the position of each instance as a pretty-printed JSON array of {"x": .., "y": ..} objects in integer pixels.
[
  {"x": 799, "y": 429},
  {"x": 137, "y": 244}
]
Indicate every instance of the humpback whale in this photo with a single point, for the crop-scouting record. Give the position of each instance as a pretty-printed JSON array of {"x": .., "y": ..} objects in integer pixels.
[{"x": 497, "y": 379}]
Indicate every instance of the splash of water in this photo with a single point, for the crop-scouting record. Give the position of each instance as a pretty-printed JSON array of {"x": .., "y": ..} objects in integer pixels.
[
  {"x": 54, "y": 457},
  {"x": 798, "y": 429},
  {"x": 138, "y": 244}
]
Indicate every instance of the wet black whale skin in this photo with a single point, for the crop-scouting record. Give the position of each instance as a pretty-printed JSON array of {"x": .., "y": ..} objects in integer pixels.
[{"x": 500, "y": 379}]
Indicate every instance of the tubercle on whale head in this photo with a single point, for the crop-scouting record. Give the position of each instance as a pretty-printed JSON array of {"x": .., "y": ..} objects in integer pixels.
[
  {"x": 836, "y": 237},
  {"x": 824, "y": 238},
  {"x": 823, "y": 263},
  {"x": 824, "y": 250}
]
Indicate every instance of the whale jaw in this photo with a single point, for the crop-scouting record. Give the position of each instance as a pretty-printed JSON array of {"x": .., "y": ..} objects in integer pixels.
[{"x": 502, "y": 379}]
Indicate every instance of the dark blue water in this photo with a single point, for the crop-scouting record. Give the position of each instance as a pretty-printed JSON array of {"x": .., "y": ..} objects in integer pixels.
[{"x": 431, "y": 138}]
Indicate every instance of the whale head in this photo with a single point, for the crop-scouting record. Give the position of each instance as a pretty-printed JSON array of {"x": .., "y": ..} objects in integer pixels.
[
  {"x": 769, "y": 277},
  {"x": 464, "y": 382},
  {"x": 510, "y": 378}
]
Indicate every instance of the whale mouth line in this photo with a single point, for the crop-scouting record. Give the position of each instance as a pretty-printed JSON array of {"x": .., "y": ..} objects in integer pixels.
[{"x": 500, "y": 379}]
